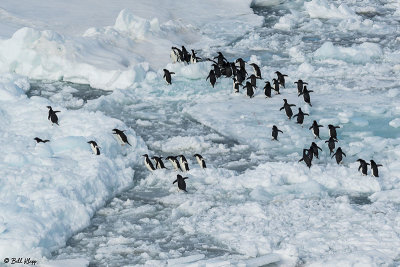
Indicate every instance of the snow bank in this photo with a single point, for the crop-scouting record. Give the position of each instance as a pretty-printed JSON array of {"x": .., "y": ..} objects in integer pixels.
[
  {"x": 324, "y": 9},
  {"x": 358, "y": 54},
  {"x": 50, "y": 191}
]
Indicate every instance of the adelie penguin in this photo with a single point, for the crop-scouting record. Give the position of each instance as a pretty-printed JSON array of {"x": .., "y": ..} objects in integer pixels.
[
  {"x": 38, "y": 140},
  {"x": 249, "y": 89},
  {"x": 332, "y": 131},
  {"x": 363, "y": 166},
  {"x": 193, "y": 58},
  {"x": 331, "y": 144},
  {"x": 174, "y": 161},
  {"x": 314, "y": 149},
  {"x": 306, "y": 95},
  {"x": 217, "y": 70},
  {"x": 121, "y": 137},
  {"x": 256, "y": 70},
  {"x": 306, "y": 158},
  {"x": 288, "y": 109},
  {"x": 315, "y": 129},
  {"x": 253, "y": 80},
  {"x": 176, "y": 54},
  {"x": 281, "y": 78},
  {"x": 236, "y": 85},
  {"x": 300, "y": 117},
  {"x": 267, "y": 89},
  {"x": 147, "y": 162},
  {"x": 276, "y": 86},
  {"x": 221, "y": 59},
  {"x": 185, "y": 54},
  {"x": 184, "y": 163},
  {"x": 181, "y": 182},
  {"x": 95, "y": 148},
  {"x": 159, "y": 162},
  {"x": 300, "y": 86},
  {"x": 242, "y": 63},
  {"x": 374, "y": 168},
  {"x": 200, "y": 160},
  {"x": 275, "y": 131},
  {"x": 212, "y": 78},
  {"x": 339, "y": 155},
  {"x": 52, "y": 115},
  {"x": 167, "y": 76}
]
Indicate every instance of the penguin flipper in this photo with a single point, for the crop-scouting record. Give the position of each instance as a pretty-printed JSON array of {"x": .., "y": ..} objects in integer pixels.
[{"x": 175, "y": 181}]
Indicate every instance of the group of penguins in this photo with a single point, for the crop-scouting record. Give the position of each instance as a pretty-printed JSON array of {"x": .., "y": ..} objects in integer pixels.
[
  {"x": 179, "y": 165},
  {"x": 223, "y": 68}
]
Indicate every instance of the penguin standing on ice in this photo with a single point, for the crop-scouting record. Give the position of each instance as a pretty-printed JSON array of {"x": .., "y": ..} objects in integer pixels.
[
  {"x": 181, "y": 182},
  {"x": 315, "y": 129},
  {"x": 267, "y": 89},
  {"x": 38, "y": 140},
  {"x": 121, "y": 137},
  {"x": 339, "y": 155},
  {"x": 332, "y": 131},
  {"x": 242, "y": 63},
  {"x": 281, "y": 78},
  {"x": 167, "y": 76},
  {"x": 52, "y": 115},
  {"x": 174, "y": 161},
  {"x": 314, "y": 149},
  {"x": 200, "y": 160},
  {"x": 331, "y": 144},
  {"x": 185, "y": 54},
  {"x": 275, "y": 131},
  {"x": 193, "y": 58},
  {"x": 306, "y": 95},
  {"x": 276, "y": 86},
  {"x": 306, "y": 158},
  {"x": 184, "y": 163},
  {"x": 147, "y": 162},
  {"x": 176, "y": 54},
  {"x": 95, "y": 148},
  {"x": 300, "y": 85},
  {"x": 236, "y": 85},
  {"x": 253, "y": 80},
  {"x": 159, "y": 162},
  {"x": 212, "y": 78},
  {"x": 363, "y": 166},
  {"x": 221, "y": 60},
  {"x": 374, "y": 168},
  {"x": 288, "y": 109},
  {"x": 256, "y": 70},
  {"x": 300, "y": 117},
  {"x": 249, "y": 89}
]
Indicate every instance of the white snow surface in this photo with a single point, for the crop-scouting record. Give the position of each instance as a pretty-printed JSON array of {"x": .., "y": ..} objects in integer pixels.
[{"x": 261, "y": 207}]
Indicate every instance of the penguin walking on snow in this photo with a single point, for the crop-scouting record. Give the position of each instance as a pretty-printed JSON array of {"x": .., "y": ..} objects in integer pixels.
[
  {"x": 167, "y": 76},
  {"x": 249, "y": 89},
  {"x": 181, "y": 182},
  {"x": 281, "y": 78},
  {"x": 339, "y": 155},
  {"x": 374, "y": 168},
  {"x": 256, "y": 70},
  {"x": 288, "y": 109},
  {"x": 212, "y": 78},
  {"x": 52, "y": 115},
  {"x": 267, "y": 89},
  {"x": 363, "y": 166},
  {"x": 332, "y": 131},
  {"x": 276, "y": 86},
  {"x": 38, "y": 140},
  {"x": 200, "y": 160},
  {"x": 300, "y": 87},
  {"x": 306, "y": 157},
  {"x": 159, "y": 162},
  {"x": 95, "y": 148},
  {"x": 184, "y": 163},
  {"x": 300, "y": 117},
  {"x": 315, "y": 129},
  {"x": 147, "y": 162},
  {"x": 331, "y": 144},
  {"x": 306, "y": 95},
  {"x": 275, "y": 131},
  {"x": 314, "y": 149},
  {"x": 121, "y": 137},
  {"x": 174, "y": 161}
]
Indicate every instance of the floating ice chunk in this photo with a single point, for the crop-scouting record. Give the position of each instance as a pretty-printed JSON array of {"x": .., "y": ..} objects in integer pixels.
[
  {"x": 358, "y": 54},
  {"x": 263, "y": 260},
  {"x": 322, "y": 9},
  {"x": 185, "y": 260},
  {"x": 395, "y": 123}
]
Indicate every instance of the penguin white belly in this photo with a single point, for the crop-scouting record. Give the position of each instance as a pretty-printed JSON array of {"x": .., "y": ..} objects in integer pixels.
[
  {"x": 119, "y": 139},
  {"x": 173, "y": 56},
  {"x": 147, "y": 165}
]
